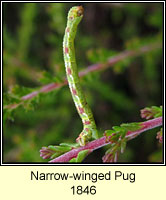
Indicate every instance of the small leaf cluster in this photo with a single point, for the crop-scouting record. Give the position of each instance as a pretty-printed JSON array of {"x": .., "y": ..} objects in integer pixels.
[
  {"x": 55, "y": 151},
  {"x": 151, "y": 112},
  {"x": 160, "y": 136},
  {"x": 117, "y": 138},
  {"x": 52, "y": 152}
]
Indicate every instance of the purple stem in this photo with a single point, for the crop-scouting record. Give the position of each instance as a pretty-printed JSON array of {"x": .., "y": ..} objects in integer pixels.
[
  {"x": 95, "y": 67},
  {"x": 96, "y": 144}
]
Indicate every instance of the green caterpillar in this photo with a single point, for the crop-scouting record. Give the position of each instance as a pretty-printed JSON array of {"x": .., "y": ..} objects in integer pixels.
[{"x": 89, "y": 127}]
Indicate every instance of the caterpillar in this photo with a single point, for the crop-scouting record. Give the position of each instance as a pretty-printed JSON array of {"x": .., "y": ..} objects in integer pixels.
[{"x": 89, "y": 126}]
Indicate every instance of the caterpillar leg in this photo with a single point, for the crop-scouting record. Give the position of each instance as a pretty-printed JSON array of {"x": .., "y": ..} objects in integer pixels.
[{"x": 86, "y": 135}]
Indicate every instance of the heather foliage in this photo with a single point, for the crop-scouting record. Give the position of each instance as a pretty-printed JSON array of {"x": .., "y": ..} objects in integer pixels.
[{"x": 38, "y": 110}]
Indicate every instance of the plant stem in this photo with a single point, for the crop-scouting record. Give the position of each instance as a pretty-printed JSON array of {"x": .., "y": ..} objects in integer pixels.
[
  {"x": 96, "y": 144},
  {"x": 95, "y": 67}
]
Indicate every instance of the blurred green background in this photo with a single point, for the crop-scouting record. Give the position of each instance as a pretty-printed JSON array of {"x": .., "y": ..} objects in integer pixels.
[{"x": 33, "y": 56}]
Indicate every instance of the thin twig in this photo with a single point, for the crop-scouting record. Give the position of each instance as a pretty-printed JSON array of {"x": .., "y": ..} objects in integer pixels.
[
  {"x": 96, "y": 144},
  {"x": 95, "y": 67}
]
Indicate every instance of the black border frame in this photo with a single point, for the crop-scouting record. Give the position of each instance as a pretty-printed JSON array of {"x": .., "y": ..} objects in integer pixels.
[{"x": 85, "y": 164}]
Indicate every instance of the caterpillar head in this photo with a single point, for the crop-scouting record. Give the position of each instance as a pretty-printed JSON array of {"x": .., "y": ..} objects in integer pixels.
[{"x": 75, "y": 14}]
